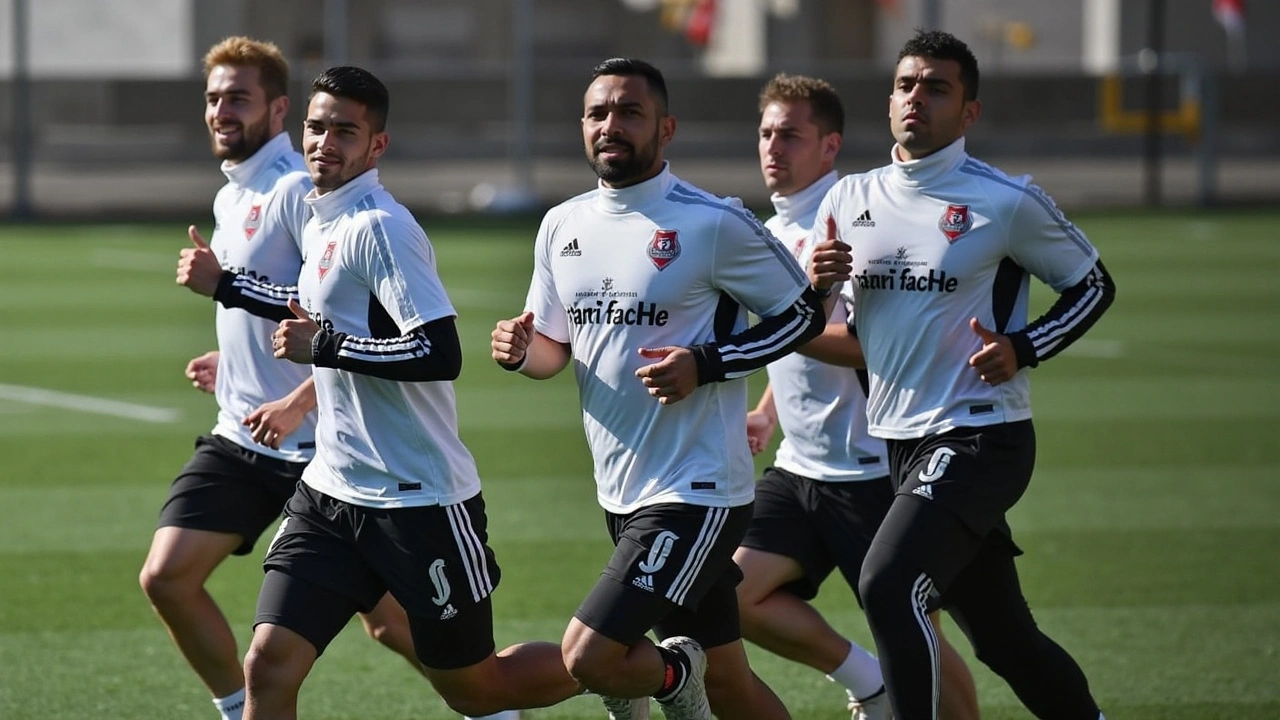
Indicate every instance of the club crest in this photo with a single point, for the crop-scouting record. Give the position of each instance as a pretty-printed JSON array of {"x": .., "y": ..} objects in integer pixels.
[
  {"x": 664, "y": 248},
  {"x": 252, "y": 221},
  {"x": 955, "y": 222},
  {"x": 798, "y": 249},
  {"x": 326, "y": 260}
]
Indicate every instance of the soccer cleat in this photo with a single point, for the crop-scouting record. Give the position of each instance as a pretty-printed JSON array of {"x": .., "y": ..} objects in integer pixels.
[
  {"x": 872, "y": 707},
  {"x": 690, "y": 703},
  {"x": 504, "y": 715},
  {"x": 626, "y": 709}
]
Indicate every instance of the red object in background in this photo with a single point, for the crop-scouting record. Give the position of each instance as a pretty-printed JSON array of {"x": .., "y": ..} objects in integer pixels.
[
  {"x": 1230, "y": 13},
  {"x": 702, "y": 20}
]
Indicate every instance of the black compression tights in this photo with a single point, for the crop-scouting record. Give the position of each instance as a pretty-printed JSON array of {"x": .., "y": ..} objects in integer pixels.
[{"x": 985, "y": 600}]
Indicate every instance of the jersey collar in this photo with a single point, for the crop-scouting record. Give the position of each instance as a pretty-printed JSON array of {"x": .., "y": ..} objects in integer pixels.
[
  {"x": 930, "y": 168},
  {"x": 634, "y": 197},
  {"x": 336, "y": 202},
  {"x": 243, "y": 173},
  {"x": 804, "y": 203}
]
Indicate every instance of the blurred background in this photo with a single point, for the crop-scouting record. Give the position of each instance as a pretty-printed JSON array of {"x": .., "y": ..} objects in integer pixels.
[{"x": 1105, "y": 102}]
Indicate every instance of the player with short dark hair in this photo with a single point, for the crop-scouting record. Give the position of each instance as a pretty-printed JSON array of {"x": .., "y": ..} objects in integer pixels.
[
  {"x": 241, "y": 473},
  {"x": 820, "y": 503},
  {"x": 644, "y": 284},
  {"x": 940, "y": 248},
  {"x": 391, "y": 502}
]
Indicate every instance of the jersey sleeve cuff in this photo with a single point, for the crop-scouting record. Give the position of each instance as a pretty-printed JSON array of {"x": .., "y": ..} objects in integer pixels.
[
  {"x": 1023, "y": 350},
  {"x": 324, "y": 348},
  {"x": 710, "y": 366}
]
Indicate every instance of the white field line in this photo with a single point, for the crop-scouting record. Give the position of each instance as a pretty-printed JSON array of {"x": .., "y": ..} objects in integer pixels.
[
  {"x": 1087, "y": 347},
  {"x": 86, "y": 403}
]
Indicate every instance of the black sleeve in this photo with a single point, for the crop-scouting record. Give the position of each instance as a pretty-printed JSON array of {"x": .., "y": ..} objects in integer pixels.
[
  {"x": 427, "y": 353},
  {"x": 1076, "y": 310},
  {"x": 743, "y": 353},
  {"x": 237, "y": 290}
]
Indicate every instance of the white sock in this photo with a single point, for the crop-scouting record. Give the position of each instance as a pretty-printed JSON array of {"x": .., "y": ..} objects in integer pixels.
[
  {"x": 504, "y": 715},
  {"x": 231, "y": 706},
  {"x": 859, "y": 673}
]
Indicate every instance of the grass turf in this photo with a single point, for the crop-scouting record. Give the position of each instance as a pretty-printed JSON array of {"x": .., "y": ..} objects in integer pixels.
[{"x": 1149, "y": 525}]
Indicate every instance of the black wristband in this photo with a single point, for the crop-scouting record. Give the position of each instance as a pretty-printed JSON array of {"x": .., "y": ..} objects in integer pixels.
[
  {"x": 707, "y": 359},
  {"x": 1023, "y": 349}
]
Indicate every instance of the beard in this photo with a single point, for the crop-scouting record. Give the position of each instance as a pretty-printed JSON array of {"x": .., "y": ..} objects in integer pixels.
[
  {"x": 623, "y": 172},
  {"x": 252, "y": 138}
]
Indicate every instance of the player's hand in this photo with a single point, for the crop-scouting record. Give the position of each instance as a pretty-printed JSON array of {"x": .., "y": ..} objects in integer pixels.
[
  {"x": 673, "y": 378},
  {"x": 198, "y": 268},
  {"x": 202, "y": 371},
  {"x": 831, "y": 262},
  {"x": 760, "y": 429},
  {"x": 510, "y": 339},
  {"x": 292, "y": 340},
  {"x": 996, "y": 361},
  {"x": 274, "y": 420}
]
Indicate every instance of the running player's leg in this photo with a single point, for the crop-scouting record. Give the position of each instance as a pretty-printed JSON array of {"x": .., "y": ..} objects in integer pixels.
[
  {"x": 958, "y": 696},
  {"x": 734, "y": 691},
  {"x": 667, "y": 557},
  {"x": 316, "y": 580},
  {"x": 437, "y": 563},
  {"x": 800, "y": 530},
  {"x": 389, "y": 625},
  {"x": 220, "y": 503},
  {"x": 987, "y": 603}
]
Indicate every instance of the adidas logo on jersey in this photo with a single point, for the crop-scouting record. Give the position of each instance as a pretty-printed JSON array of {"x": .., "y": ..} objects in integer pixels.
[
  {"x": 449, "y": 612},
  {"x": 864, "y": 220},
  {"x": 571, "y": 249},
  {"x": 644, "y": 582}
]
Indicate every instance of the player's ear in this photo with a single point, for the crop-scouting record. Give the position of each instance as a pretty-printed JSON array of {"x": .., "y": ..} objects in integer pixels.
[
  {"x": 278, "y": 109},
  {"x": 666, "y": 129},
  {"x": 971, "y": 112}
]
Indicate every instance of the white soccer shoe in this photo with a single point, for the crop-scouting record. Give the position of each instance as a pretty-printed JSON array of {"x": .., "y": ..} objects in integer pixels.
[
  {"x": 626, "y": 709},
  {"x": 691, "y": 702},
  {"x": 872, "y": 707},
  {"x": 504, "y": 715}
]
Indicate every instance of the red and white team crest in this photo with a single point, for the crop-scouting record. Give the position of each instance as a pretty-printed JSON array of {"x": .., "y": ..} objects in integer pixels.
[
  {"x": 955, "y": 222},
  {"x": 799, "y": 247},
  {"x": 326, "y": 260},
  {"x": 664, "y": 248},
  {"x": 252, "y": 221}
]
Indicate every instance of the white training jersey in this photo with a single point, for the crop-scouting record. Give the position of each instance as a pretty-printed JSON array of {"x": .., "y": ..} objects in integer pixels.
[
  {"x": 258, "y": 218},
  {"x": 370, "y": 271},
  {"x": 655, "y": 264},
  {"x": 822, "y": 409},
  {"x": 937, "y": 241}
]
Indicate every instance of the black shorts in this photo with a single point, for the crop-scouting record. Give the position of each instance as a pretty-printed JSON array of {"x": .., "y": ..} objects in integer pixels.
[
  {"x": 672, "y": 571},
  {"x": 231, "y": 489},
  {"x": 820, "y": 525},
  {"x": 331, "y": 559},
  {"x": 976, "y": 473}
]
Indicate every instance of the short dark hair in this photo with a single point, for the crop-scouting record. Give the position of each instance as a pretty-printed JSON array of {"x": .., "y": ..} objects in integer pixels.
[
  {"x": 353, "y": 83},
  {"x": 824, "y": 102},
  {"x": 941, "y": 45},
  {"x": 630, "y": 66}
]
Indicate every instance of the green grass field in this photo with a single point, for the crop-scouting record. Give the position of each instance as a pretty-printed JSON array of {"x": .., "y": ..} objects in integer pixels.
[{"x": 1150, "y": 527}]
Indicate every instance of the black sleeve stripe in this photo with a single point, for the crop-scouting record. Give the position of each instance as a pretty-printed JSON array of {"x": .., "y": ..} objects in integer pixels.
[
  {"x": 406, "y": 347},
  {"x": 266, "y": 293},
  {"x": 777, "y": 340},
  {"x": 1076, "y": 310},
  {"x": 1051, "y": 334},
  {"x": 753, "y": 350}
]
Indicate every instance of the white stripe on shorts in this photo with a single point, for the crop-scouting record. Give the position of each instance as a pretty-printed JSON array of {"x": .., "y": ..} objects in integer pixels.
[
  {"x": 471, "y": 550},
  {"x": 711, "y": 527}
]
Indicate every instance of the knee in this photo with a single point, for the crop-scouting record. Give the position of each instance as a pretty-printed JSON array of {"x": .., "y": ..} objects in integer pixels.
[
  {"x": 160, "y": 583},
  {"x": 273, "y": 663},
  {"x": 376, "y": 629},
  {"x": 588, "y": 660},
  {"x": 467, "y": 701}
]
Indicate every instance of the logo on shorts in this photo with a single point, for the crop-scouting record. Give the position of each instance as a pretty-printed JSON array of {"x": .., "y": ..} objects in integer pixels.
[
  {"x": 664, "y": 248},
  {"x": 658, "y": 553},
  {"x": 644, "y": 582},
  {"x": 449, "y": 611},
  {"x": 441, "y": 583},
  {"x": 955, "y": 221},
  {"x": 279, "y": 531},
  {"x": 937, "y": 464}
]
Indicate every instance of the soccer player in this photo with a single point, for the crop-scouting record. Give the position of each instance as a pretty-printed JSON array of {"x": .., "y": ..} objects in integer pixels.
[
  {"x": 391, "y": 501},
  {"x": 940, "y": 247},
  {"x": 644, "y": 283},
  {"x": 241, "y": 474},
  {"x": 820, "y": 504}
]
